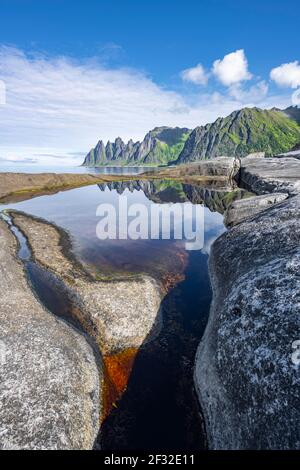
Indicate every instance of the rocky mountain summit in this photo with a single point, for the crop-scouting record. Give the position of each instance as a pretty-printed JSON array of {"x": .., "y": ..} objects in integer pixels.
[
  {"x": 159, "y": 146},
  {"x": 293, "y": 112},
  {"x": 297, "y": 147},
  {"x": 242, "y": 132}
]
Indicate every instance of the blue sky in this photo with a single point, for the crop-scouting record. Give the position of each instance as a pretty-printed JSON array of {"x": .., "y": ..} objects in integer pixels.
[{"x": 75, "y": 72}]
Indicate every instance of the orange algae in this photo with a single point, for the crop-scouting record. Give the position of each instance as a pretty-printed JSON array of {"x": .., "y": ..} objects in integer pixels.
[{"x": 117, "y": 369}]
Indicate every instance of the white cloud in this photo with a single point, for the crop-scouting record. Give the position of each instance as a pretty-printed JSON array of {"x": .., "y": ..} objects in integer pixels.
[
  {"x": 56, "y": 106},
  {"x": 232, "y": 69},
  {"x": 195, "y": 75},
  {"x": 63, "y": 105},
  {"x": 287, "y": 75},
  {"x": 254, "y": 94}
]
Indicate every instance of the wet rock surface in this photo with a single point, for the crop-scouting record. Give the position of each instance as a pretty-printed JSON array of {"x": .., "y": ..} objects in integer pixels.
[
  {"x": 50, "y": 382},
  {"x": 117, "y": 315},
  {"x": 247, "y": 383}
]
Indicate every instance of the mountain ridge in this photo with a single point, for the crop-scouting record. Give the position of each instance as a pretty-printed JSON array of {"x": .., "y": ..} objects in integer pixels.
[
  {"x": 244, "y": 131},
  {"x": 247, "y": 130},
  {"x": 159, "y": 146}
]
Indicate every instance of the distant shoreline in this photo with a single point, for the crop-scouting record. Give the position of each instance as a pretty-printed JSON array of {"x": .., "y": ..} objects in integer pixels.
[{"x": 19, "y": 186}]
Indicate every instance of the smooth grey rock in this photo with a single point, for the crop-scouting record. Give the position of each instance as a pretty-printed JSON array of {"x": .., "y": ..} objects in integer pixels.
[
  {"x": 267, "y": 175},
  {"x": 204, "y": 172},
  {"x": 247, "y": 383},
  {"x": 49, "y": 380},
  {"x": 243, "y": 209},
  {"x": 292, "y": 154}
]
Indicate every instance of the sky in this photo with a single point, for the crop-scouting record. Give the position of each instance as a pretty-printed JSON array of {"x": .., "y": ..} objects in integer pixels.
[{"x": 74, "y": 72}]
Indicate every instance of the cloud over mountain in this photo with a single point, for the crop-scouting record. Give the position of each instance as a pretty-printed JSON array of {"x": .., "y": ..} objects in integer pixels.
[
  {"x": 232, "y": 69},
  {"x": 56, "y": 105},
  {"x": 287, "y": 75},
  {"x": 196, "y": 75}
]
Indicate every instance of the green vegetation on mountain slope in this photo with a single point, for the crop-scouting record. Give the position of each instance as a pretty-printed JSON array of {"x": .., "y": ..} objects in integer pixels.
[{"x": 242, "y": 132}]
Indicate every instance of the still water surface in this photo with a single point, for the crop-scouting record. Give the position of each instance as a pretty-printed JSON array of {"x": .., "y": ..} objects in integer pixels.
[{"x": 106, "y": 170}]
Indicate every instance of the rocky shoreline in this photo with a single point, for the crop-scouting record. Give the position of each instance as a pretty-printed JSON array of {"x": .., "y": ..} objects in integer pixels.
[
  {"x": 246, "y": 381},
  {"x": 15, "y": 187},
  {"x": 247, "y": 385}
]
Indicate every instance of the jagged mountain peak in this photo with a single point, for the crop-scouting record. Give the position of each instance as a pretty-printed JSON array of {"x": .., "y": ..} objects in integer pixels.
[
  {"x": 159, "y": 146},
  {"x": 293, "y": 112}
]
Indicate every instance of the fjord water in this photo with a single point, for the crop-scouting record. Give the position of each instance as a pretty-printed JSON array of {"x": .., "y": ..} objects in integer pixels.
[
  {"x": 159, "y": 409},
  {"x": 105, "y": 170}
]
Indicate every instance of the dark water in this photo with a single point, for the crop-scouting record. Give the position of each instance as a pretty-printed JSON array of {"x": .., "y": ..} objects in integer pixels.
[{"x": 159, "y": 409}]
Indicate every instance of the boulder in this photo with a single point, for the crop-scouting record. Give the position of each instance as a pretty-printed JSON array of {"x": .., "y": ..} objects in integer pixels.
[
  {"x": 246, "y": 379},
  {"x": 267, "y": 175},
  {"x": 243, "y": 209},
  {"x": 50, "y": 385}
]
